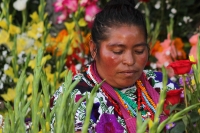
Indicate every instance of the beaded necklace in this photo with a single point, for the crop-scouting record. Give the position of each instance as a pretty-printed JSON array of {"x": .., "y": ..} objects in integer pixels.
[{"x": 144, "y": 101}]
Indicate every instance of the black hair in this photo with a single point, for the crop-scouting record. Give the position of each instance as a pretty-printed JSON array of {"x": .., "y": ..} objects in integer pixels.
[{"x": 116, "y": 13}]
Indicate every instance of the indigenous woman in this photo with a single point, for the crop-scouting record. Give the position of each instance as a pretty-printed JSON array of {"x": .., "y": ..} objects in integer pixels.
[{"x": 120, "y": 52}]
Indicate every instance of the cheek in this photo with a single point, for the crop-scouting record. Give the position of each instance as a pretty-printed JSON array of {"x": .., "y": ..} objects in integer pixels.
[
  {"x": 142, "y": 60},
  {"x": 109, "y": 60}
]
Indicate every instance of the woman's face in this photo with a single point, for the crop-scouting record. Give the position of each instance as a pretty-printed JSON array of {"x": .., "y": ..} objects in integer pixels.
[{"x": 123, "y": 56}]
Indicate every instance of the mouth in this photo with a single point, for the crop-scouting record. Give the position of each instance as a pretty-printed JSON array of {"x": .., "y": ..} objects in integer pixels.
[{"x": 128, "y": 73}]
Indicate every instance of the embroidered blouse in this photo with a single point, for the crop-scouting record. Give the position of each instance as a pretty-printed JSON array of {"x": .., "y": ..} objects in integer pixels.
[{"x": 104, "y": 116}]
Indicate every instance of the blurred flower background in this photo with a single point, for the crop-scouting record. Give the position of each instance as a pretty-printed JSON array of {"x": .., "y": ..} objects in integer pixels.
[{"x": 62, "y": 29}]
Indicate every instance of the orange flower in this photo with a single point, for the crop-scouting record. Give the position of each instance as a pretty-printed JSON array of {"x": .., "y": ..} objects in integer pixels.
[
  {"x": 156, "y": 48},
  {"x": 60, "y": 36},
  {"x": 178, "y": 43},
  {"x": 52, "y": 48},
  {"x": 86, "y": 44}
]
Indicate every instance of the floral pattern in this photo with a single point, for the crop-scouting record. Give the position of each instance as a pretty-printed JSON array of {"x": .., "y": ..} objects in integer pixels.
[{"x": 102, "y": 106}]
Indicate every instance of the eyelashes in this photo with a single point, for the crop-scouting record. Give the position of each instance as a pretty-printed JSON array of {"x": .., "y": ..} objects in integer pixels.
[{"x": 138, "y": 52}]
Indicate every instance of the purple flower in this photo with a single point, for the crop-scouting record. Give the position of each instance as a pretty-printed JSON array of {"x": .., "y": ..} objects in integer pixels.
[
  {"x": 108, "y": 124},
  {"x": 170, "y": 125}
]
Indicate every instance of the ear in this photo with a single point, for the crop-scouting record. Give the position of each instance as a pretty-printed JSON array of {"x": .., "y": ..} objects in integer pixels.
[{"x": 93, "y": 50}]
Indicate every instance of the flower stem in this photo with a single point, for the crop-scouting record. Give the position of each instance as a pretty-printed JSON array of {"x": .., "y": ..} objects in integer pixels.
[
  {"x": 185, "y": 95},
  {"x": 24, "y": 20}
]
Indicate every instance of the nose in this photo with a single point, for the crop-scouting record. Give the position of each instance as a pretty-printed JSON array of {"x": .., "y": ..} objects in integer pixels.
[{"x": 128, "y": 59}]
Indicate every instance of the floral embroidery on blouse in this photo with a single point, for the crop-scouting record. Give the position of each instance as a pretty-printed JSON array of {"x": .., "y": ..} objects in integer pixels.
[{"x": 102, "y": 107}]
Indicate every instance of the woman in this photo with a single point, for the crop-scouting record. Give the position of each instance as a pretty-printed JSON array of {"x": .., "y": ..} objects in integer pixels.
[{"x": 120, "y": 52}]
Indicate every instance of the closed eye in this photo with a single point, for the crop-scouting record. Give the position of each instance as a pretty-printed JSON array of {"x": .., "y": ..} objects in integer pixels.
[
  {"x": 139, "y": 52},
  {"x": 118, "y": 52}
]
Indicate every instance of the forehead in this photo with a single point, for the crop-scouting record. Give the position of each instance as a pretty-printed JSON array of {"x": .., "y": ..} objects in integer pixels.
[{"x": 125, "y": 35}]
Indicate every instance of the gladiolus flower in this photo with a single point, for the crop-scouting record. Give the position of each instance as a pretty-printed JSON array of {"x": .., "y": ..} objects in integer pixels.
[
  {"x": 194, "y": 41},
  {"x": 58, "y": 6},
  {"x": 72, "y": 5},
  {"x": 20, "y": 5},
  {"x": 90, "y": 12},
  {"x": 181, "y": 66}
]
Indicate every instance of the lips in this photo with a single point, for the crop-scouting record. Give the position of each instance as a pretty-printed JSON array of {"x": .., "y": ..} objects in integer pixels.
[{"x": 128, "y": 73}]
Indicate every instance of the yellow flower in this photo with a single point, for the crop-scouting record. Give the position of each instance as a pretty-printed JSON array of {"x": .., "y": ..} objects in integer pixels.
[
  {"x": 191, "y": 57},
  {"x": 82, "y": 22},
  {"x": 29, "y": 80},
  {"x": 62, "y": 75},
  {"x": 14, "y": 29},
  {"x": 199, "y": 111},
  {"x": 150, "y": 123},
  {"x": 3, "y": 24},
  {"x": 32, "y": 63},
  {"x": 47, "y": 126},
  {"x": 40, "y": 102},
  {"x": 10, "y": 72},
  {"x": 50, "y": 76},
  {"x": 70, "y": 26},
  {"x": 24, "y": 43},
  {"x": 36, "y": 30},
  {"x": 4, "y": 37},
  {"x": 9, "y": 96},
  {"x": 44, "y": 59},
  {"x": 35, "y": 17}
]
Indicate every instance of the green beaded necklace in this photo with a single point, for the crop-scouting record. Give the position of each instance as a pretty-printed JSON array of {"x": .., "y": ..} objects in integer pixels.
[{"x": 130, "y": 102}]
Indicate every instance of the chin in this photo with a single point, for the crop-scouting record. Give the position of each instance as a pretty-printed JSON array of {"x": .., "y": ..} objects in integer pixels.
[{"x": 126, "y": 84}]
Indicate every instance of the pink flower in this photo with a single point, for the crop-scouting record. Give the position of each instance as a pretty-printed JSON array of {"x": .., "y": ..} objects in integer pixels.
[
  {"x": 83, "y": 2},
  {"x": 62, "y": 17},
  {"x": 72, "y": 5},
  {"x": 90, "y": 12},
  {"x": 171, "y": 50},
  {"x": 58, "y": 6},
  {"x": 194, "y": 41}
]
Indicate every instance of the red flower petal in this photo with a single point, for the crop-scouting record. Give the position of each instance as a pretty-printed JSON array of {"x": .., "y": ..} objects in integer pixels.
[{"x": 181, "y": 66}]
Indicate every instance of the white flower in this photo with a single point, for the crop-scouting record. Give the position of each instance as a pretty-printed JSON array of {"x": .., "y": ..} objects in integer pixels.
[
  {"x": 3, "y": 78},
  {"x": 1, "y": 85},
  {"x": 1, "y": 119},
  {"x": 171, "y": 15},
  {"x": 187, "y": 19},
  {"x": 20, "y": 5},
  {"x": 173, "y": 10},
  {"x": 4, "y": 53},
  {"x": 6, "y": 66},
  {"x": 157, "y": 5},
  {"x": 153, "y": 65},
  {"x": 168, "y": 6}
]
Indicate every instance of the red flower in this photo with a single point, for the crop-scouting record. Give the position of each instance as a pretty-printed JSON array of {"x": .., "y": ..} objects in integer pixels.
[
  {"x": 173, "y": 97},
  {"x": 181, "y": 66}
]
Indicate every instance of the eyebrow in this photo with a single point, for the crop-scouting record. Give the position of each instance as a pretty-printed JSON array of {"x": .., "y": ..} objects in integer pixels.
[{"x": 122, "y": 45}]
